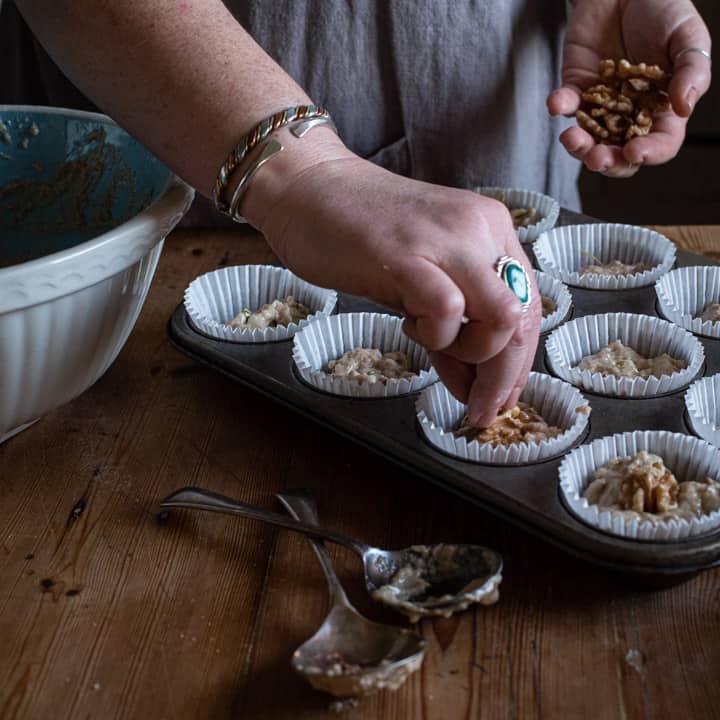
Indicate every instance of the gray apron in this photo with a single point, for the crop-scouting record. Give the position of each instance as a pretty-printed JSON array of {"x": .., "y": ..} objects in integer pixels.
[{"x": 448, "y": 91}]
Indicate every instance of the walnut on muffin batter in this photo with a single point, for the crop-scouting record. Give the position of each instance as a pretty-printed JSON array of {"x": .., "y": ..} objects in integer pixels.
[
  {"x": 520, "y": 424},
  {"x": 642, "y": 484}
]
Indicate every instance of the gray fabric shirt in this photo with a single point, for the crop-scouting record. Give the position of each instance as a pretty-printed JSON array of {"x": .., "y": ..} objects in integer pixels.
[{"x": 449, "y": 91}]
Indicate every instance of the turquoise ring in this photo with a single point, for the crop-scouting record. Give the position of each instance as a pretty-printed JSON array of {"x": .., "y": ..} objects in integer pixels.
[{"x": 513, "y": 274}]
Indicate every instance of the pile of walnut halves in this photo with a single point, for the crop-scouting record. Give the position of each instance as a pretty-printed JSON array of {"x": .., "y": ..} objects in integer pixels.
[{"x": 622, "y": 105}]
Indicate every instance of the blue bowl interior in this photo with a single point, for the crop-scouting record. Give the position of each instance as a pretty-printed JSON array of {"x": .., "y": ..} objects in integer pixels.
[{"x": 65, "y": 179}]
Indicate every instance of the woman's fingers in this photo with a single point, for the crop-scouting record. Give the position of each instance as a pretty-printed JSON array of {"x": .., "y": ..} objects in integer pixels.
[
  {"x": 564, "y": 101},
  {"x": 691, "y": 69},
  {"x": 438, "y": 324},
  {"x": 434, "y": 304},
  {"x": 456, "y": 375},
  {"x": 662, "y": 143},
  {"x": 577, "y": 142},
  {"x": 495, "y": 380},
  {"x": 606, "y": 159}
]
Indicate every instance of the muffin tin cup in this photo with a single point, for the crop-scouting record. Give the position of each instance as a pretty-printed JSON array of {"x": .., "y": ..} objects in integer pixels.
[
  {"x": 702, "y": 402},
  {"x": 548, "y": 209},
  {"x": 555, "y": 290},
  {"x": 683, "y": 294},
  {"x": 214, "y": 299},
  {"x": 647, "y": 335},
  {"x": 688, "y": 458},
  {"x": 564, "y": 251},
  {"x": 560, "y": 404},
  {"x": 329, "y": 337}
]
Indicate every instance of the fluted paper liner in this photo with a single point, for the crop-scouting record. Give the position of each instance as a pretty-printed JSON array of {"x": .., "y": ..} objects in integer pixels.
[
  {"x": 687, "y": 457},
  {"x": 647, "y": 335},
  {"x": 564, "y": 251},
  {"x": 560, "y": 404},
  {"x": 702, "y": 401},
  {"x": 683, "y": 293},
  {"x": 554, "y": 289},
  {"x": 329, "y": 337},
  {"x": 548, "y": 208},
  {"x": 214, "y": 299}
]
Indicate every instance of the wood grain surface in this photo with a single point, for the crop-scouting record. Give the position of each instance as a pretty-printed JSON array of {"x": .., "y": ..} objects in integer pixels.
[{"x": 106, "y": 613}]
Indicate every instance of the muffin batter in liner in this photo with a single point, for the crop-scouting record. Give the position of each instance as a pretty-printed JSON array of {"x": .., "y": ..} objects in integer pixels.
[
  {"x": 702, "y": 402},
  {"x": 214, "y": 299},
  {"x": 649, "y": 336},
  {"x": 564, "y": 251},
  {"x": 560, "y": 404},
  {"x": 329, "y": 337},
  {"x": 554, "y": 289},
  {"x": 683, "y": 294},
  {"x": 547, "y": 208},
  {"x": 688, "y": 458}
]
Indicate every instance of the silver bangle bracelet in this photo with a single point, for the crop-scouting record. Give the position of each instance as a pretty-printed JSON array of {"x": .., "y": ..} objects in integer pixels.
[
  {"x": 299, "y": 129},
  {"x": 250, "y": 141}
]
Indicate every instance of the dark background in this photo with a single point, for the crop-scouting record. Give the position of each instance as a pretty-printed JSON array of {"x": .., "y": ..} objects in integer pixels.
[{"x": 684, "y": 191}]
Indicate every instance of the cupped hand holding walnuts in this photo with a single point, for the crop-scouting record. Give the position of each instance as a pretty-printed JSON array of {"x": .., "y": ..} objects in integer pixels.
[{"x": 643, "y": 31}]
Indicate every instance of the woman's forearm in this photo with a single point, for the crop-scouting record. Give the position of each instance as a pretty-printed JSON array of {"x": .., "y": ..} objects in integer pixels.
[{"x": 181, "y": 75}]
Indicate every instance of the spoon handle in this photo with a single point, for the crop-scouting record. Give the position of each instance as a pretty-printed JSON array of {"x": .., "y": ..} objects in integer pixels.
[
  {"x": 196, "y": 498},
  {"x": 301, "y": 505}
]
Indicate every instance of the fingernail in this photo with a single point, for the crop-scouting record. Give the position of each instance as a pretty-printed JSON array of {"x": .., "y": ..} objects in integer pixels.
[{"x": 691, "y": 97}]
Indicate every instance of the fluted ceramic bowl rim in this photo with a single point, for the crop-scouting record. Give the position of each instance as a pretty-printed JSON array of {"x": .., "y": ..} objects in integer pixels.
[{"x": 92, "y": 261}]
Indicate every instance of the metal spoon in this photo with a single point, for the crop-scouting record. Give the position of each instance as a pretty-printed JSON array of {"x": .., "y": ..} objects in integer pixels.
[
  {"x": 349, "y": 655},
  {"x": 418, "y": 581}
]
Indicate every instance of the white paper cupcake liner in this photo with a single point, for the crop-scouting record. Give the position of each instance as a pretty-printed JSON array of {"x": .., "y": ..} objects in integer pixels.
[
  {"x": 702, "y": 401},
  {"x": 329, "y": 337},
  {"x": 548, "y": 209},
  {"x": 688, "y": 458},
  {"x": 560, "y": 404},
  {"x": 683, "y": 293},
  {"x": 647, "y": 335},
  {"x": 214, "y": 299},
  {"x": 564, "y": 251},
  {"x": 555, "y": 290}
]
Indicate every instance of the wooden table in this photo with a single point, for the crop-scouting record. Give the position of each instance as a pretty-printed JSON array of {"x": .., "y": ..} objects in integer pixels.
[{"x": 104, "y": 613}]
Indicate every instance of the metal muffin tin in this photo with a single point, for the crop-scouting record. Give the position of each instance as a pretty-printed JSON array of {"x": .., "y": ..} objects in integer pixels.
[{"x": 525, "y": 495}]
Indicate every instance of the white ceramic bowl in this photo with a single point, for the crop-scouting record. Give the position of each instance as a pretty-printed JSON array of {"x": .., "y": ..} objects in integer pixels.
[{"x": 66, "y": 314}]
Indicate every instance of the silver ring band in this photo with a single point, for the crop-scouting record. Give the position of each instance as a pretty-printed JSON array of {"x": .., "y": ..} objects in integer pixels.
[
  {"x": 692, "y": 49},
  {"x": 513, "y": 274}
]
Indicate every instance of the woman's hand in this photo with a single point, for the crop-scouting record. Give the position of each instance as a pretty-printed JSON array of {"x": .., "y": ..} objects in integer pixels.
[
  {"x": 651, "y": 31},
  {"x": 426, "y": 251}
]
